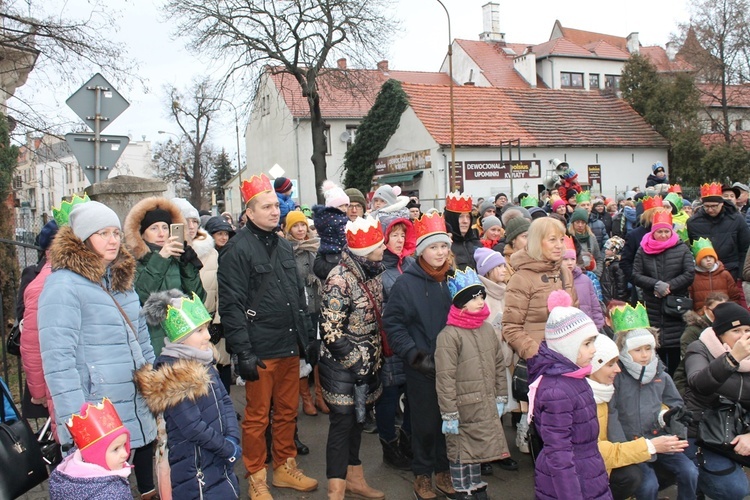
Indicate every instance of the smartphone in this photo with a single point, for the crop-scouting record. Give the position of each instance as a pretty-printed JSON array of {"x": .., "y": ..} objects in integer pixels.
[{"x": 177, "y": 230}]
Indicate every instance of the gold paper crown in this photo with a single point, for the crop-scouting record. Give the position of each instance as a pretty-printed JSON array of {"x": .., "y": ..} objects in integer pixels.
[
  {"x": 62, "y": 214},
  {"x": 627, "y": 317},
  {"x": 190, "y": 315},
  {"x": 458, "y": 202},
  {"x": 254, "y": 186},
  {"x": 94, "y": 422}
]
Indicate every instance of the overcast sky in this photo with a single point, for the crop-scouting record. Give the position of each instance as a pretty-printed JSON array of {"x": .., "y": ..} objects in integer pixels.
[{"x": 421, "y": 45}]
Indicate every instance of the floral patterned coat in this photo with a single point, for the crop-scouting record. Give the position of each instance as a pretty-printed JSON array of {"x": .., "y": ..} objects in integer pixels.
[{"x": 351, "y": 348}]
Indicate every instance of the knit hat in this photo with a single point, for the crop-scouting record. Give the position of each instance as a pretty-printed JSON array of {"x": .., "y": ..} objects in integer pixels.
[
  {"x": 188, "y": 210},
  {"x": 430, "y": 229},
  {"x": 615, "y": 243},
  {"x": 490, "y": 221},
  {"x": 486, "y": 205},
  {"x": 567, "y": 327},
  {"x": 356, "y": 196},
  {"x": 388, "y": 194},
  {"x": 216, "y": 224},
  {"x": 656, "y": 166},
  {"x": 464, "y": 286},
  {"x": 511, "y": 212},
  {"x": 87, "y": 218},
  {"x": 514, "y": 227},
  {"x": 557, "y": 204},
  {"x": 728, "y": 315},
  {"x": 281, "y": 185},
  {"x": 47, "y": 234},
  {"x": 487, "y": 260},
  {"x": 537, "y": 213},
  {"x": 638, "y": 337},
  {"x": 94, "y": 428},
  {"x": 606, "y": 351},
  {"x": 154, "y": 216},
  {"x": 293, "y": 218},
  {"x": 334, "y": 195},
  {"x": 579, "y": 214}
]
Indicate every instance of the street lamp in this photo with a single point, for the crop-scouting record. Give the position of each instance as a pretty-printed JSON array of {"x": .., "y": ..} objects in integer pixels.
[{"x": 450, "y": 74}]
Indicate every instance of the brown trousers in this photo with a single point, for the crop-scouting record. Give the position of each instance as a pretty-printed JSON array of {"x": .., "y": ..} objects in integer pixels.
[{"x": 279, "y": 382}]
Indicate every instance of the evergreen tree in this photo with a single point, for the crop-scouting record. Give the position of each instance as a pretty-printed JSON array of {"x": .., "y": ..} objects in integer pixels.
[
  {"x": 9, "y": 272},
  {"x": 223, "y": 172}
]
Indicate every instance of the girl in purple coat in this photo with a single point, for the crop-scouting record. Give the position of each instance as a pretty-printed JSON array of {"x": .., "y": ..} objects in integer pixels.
[{"x": 561, "y": 404}]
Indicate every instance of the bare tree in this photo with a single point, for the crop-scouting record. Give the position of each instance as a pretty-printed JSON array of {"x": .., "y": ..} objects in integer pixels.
[{"x": 294, "y": 37}]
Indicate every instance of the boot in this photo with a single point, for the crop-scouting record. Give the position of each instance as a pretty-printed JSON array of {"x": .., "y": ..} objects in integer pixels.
[
  {"x": 392, "y": 455},
  {"x": 357, "y": 487},
  {"x": 259, "y": 486},
  {"x": 444, "y": 484},
  {"x": 336, "y": 489},
  {"x": 307, "y": 401},
  {"x": 320, "y": 403},
  {"x": 404, "y": 444},
  {"x": 522, "y": 435},
  {"x": 423, "y": 488},
  {"x": 481, "y": 493},
  {"x": 302, "y": 448},
  {"x": 370, "y": 426},
  {"x": 288, "y": 475}
]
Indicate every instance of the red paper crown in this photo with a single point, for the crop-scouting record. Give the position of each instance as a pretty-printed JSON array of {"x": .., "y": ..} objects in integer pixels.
[
  {"x": 363, "y": 233},
  {"x": 458, "y": 202},
  {"x": 713, "y": 189},
  {"x": 94, "y": 422},
  {"x": 662, "y": 217},
  {"x": 428, "y": 224},
  {"x": 675, "y": 188},
  {"x": 652, "y": 202},
  {"x": 253, "y": 187},
  {"x": 569, "y": 245}
]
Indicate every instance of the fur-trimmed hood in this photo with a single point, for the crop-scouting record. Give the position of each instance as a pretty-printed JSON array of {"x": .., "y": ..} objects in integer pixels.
[
  {"x": 692, "y": 318},
  {"x": 132, "y": 227},
  {"x": 169, "y": 384},
  {"x": 69, "y": 252}
]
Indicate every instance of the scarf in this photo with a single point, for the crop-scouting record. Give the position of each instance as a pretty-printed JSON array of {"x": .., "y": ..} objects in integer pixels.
[
  {"x": 465, "y": 319},
  {"x": 182, "y": 351},
  {"x": 653, "y": 247},
  {"x": 582, "y": 238},
  {"x": 579, "y": 374},
  {"x": 371, "y": 268},
  {"x": 436, "y": 274},
  {"x": 643, "y": 374},
  {"x": 602, "y": 392},
  {"x": 717, "y": 348},
  {"x": 489, "y": 243}
]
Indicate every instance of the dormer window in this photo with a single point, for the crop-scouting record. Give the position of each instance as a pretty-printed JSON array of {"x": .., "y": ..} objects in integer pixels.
[{"x": 571, "y": 80}]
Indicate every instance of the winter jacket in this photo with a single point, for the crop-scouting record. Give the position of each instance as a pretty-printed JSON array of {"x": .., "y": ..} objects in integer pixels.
[
  {"x": 304, "y": 256},
  {"x": 638, "y": 405},
  {"x": 154, "y": 273},
  {"x": 286, "y": 205},
  {"x": 696, "y": 323},
  {"x": 351, "y": 349},
  {"x": 589, "y": 244},
  {"x": 205, "y": 247},
  {"x": 31, "y": 355},
  {"x": 614, "y": 282},
  {"x": 495, "y": 300},
  {"x": 599, "y": 229},
  {"x": 392, "y": 373},
  {"x": 728, "y": 233},
  {"x": 588, "y": 302},
  {"x": 570, "y": 465},
  {"x": 470, "y": 376},
  {"x": 618, "y": 454},
  {"x": 632, "y": 245},
  {"x": 199, "y": 418},
  {"x": 605, "y": 217},
  {"x": 463, "y": 245},
  {"x": 28, "y": 275},
  {"x": 653, "y": 180},
  {"x": 716, "y": 280},
  {"x": 88, "y": 350},
  {"x": 526, "y": 295},
  {"x": 280, "y": 326},
  {"x": 674, "y": 266},
  {"x": 74, "y": 478}
]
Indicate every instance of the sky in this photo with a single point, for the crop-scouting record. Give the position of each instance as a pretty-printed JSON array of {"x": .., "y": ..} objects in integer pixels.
[{"x": 421, "y": 45}]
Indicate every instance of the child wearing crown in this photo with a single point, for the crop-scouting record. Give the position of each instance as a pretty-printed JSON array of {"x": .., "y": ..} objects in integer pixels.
[
  {"x": 202, "y": 433},
  {"x": 471, "y": 387},
  {"x": 98, "y": 469},
  {"x": 710, "y": 275}
]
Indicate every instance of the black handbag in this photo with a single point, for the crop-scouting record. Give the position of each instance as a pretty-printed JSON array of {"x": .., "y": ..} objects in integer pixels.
[
  {"x": 674, "y": 305},
  {"x": 719, "y": 425},
  {"x": 520, "y": 382},
  {"x": 13, "y": 343},
  {"x": 21, "y": 460}
]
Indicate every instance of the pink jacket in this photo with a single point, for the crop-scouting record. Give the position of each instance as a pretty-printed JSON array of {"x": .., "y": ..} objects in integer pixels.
[{"x": 31, "y": 356}]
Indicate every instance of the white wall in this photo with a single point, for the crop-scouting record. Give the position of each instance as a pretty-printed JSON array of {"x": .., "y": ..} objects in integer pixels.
[
  {"x": 464, "y": 68},
  {"x": 550, "y": 68}
]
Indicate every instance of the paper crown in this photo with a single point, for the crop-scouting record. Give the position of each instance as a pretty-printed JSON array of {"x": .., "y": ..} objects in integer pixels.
[
  {"x": 627, "y": 317},
  {"x": 461, "y": 280},
  {"x": 429, "y": 224},
  {"x": 713, "y": 189},
  {"x": 650, "y": 202},
  {"x": 675, "y": 188},
  {"x": 181, "y": 321},
  {"x": 254, "y": 186},
  {"x": 702, "y": 247},
  {"x": 458, "y": 202},
  {"x": 529, "y": 202},
  {"x": 676, "y": 201},
  {"x": 62, "y": 214},
  {"x": 363, "y": 235},
  {"x": 663, "y": 217},
  {"x": 569, "y": 244},
  {"x": 95, "y": 422},
  {"x": 583, "y": 196}
]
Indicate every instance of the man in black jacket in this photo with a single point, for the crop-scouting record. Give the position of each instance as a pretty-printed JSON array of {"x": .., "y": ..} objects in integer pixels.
[{"x": 262, "y": 309}]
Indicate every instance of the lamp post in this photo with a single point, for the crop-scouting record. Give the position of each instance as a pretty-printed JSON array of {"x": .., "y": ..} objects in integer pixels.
[
  {"x": 237, "y": 133},
  {"x": 453, "y": 125}
]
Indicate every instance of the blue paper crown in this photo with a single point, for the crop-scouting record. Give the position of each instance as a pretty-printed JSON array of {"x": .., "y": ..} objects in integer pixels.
[{"x": 461, "y": 280}]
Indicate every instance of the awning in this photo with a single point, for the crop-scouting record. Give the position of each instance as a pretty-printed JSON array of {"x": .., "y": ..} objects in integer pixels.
[{"x": 401, "y": 177}]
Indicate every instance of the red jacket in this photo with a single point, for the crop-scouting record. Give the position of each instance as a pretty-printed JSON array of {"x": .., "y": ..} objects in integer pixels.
[{"x": 717, "y": 280}]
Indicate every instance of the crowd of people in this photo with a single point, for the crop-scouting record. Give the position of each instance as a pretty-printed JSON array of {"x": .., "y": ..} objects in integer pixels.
[{"x": 601, "y": 329}]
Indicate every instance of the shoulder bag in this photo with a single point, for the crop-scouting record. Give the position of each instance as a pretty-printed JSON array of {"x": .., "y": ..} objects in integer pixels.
[
  {"x": 719, "y": 425},
  {"x": 676, "y": 306},
  {"x": 13, "y": 343}
]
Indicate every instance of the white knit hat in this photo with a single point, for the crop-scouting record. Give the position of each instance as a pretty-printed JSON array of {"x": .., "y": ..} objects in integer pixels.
[
  {"x": 187, "y": 209},
  {"x": 567, "y": 327},
  {"x": 606, "y": 351},
  {"x": 388, "y": 194},
  {"x": 637, "y": 338},
  {"x": 334, "y": 195}
]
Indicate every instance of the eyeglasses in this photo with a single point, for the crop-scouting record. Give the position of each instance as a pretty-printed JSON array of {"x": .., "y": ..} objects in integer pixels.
[
  {"x": 109, "y": 233},
  {"x": 711, "y": 206}
]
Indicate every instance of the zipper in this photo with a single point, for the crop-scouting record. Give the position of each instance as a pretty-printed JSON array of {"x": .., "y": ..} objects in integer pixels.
[
  {"x": 199, "y": 471},
  {"x": 221, "y": 427}
]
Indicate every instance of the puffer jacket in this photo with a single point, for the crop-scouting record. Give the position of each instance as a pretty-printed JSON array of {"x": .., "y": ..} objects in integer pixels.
[
  {"x": 154, "y": 273},
  {"x": 470, "y": 376},
  {"x": 199, "y": 416},
  {"x": 729, "y": 234},
  {"x": 599, "y": 229},
  {"x": 526, "y": 295},
  {"x": 570, "y": 465},
  {"x": 588, "y": 302},
  {"x": 613, "y": 281},
  {"x": 286, "y": 205},
  {"x": 618, "y": 454},
  {"x": 351, "y": 349},
  {"x": 717, "y": 279},
  {"x": 632, "y": 244},
  {"x": 392, "y": 373},
  {"x": 74, "y": 478},
  {"x": 88, "y": 350},
  {"x": 674, "y": 266},
  {"x": 696, "y": 323}
]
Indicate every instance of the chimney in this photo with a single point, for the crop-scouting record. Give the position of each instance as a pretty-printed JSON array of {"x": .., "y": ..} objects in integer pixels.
[
  {"x": 341, "y": 63},
  {"x": 671, "y": 50},
  {"x": 632, "y": 43},
  {"x": 491, "y": 23},
  {"x": 383, "y": 66}
]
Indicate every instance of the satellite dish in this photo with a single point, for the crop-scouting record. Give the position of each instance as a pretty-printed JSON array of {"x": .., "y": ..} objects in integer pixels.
[{"x": 345, "y": 136}]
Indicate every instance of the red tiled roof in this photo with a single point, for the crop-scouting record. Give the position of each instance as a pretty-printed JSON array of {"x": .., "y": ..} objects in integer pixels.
[
  {"x": 581, "y": 37},
  {"x": 605, "y": 50},
  {"x": 486, "y": 116},
  {"x": 496, "y": 65},
  {"x": 738, "y": 96},
  {"x": 742, "y": 138},
  {"x": 560, "y": 47},
  {"x": 658, "y": 56}
]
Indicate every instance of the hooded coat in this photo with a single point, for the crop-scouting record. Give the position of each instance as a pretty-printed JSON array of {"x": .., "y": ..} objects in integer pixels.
[
  {"x": 717, "y": 279},
  {"x": 88, "y": 350},
  {"x": 330, "y": 224},
  {"x": 729, "y": 235},
  {"x": 153, "y": 272},
  {"x": 463, "y": 244},
  {"x": 199, "y": 416},
  {"x": 613, "y": 281}
]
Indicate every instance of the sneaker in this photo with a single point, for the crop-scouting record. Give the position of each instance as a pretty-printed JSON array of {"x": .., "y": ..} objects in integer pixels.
[
  {"x": 258, "y": 486},
  {"x": 444, "y": 484},
  {"x": 288, "y": 475},
  {"x": 423, "y": 488}
]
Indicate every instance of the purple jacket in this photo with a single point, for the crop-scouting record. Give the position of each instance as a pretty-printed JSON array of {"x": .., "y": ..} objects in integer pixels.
[
  {"x": 570, "y": 465},
  {"x": 588, "y": 302}
]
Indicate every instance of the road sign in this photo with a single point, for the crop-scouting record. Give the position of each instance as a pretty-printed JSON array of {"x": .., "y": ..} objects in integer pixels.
[
  {"x": 111, "y": 147},
  {"x": 84, "y": 102}
]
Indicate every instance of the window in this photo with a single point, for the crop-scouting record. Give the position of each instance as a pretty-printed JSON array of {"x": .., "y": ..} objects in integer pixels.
[
  {"x": 17, "y": 182},
  {"x": 51, "y": 177},
  {"x": 738, "y": 125},
  {"x": 327, "y": 133},
  {"x": 265, "y": 105},
  {"x": 571, "y": 80},
  {"x": 612, "y": 82},
  {"x": 593, "y": 81},
  {"x": 352, "y": 131},
  {"x": 41, "y": 178}
]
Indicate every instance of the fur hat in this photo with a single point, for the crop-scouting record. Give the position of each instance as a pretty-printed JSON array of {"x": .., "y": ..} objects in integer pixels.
[
  {"x": 356, "y": 196},
  {"x": 187, "y": 209},
  {"x": 487, "y": 260},
  {"x": 606, "y": 351},
  {"x": 281, "y": 185},
  {"x": 334, "y": 195},
  {"x": 567, "y": 327},
  {"x": 87, "y": 218},
  {"x": 514, "y": 227},
  {"x": 728, "y": 315}
]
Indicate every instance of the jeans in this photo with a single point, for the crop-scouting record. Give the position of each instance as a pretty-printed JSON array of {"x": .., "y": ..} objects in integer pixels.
[
  {"x": 385, "y": 413},
  {"x": 718, "y": 477},
  {"x": 681, "y": 466}
]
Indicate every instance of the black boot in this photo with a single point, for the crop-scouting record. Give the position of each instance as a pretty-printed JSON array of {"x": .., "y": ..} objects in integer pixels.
[
  {"x": 302, "y": 449},
  {"x": 481, "y": 494},
  {"x": 392, "y": 455},
  {"x": 404, "y": 444}
]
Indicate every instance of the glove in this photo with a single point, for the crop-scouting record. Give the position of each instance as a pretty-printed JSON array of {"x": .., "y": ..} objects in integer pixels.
[
  {"x": 424, "y": 363},
  {"x": 190, "y": 257},
  {"x": 450, "y": 426},
  {"x": 661, "y": 288},
  {"x": 677, "y": 420},
  {"x": 237, "y": 450},
  {"x": 247, "y": 365},
  {"x": 312, "y": 353},
  {"x": 500, "y": 408}
]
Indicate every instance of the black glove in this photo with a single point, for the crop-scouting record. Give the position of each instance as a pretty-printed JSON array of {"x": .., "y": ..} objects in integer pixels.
[
  {"x": 190, "y": 257},
  {"x": 424, "y": 363},
  {"x": 312, "y": 353},
  {"x": 247, "y": 365},
  {"x": 676, "y": 421}
]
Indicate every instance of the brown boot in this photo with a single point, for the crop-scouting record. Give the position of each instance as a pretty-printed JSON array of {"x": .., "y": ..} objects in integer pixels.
[
  {"x": 307, "y": 402},
  {"x": 319, "y": 401},
  {"x": 423, "y": 488},
  {"x": 336, "y": 489},
  {"x": 444, "y": 484},
  {"x": 259, "y": 486},
  {"x": 288, "y": 475},
  {"x": 357, "y": 487}
]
